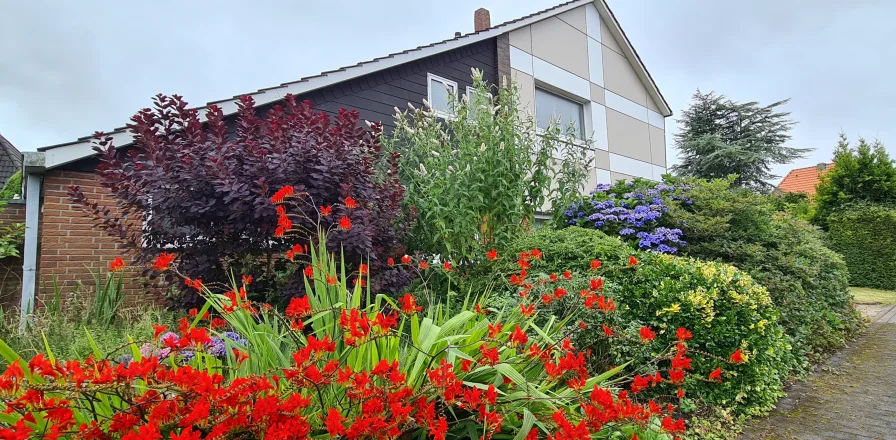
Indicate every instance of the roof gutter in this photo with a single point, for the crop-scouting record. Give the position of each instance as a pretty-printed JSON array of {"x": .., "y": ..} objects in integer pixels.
[{"x": 34, "y": 168}]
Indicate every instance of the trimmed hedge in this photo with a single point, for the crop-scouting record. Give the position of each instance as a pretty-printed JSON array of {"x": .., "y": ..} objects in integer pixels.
[
  {"x": 723, "y": 307},
  {"x": 866, "y": 237}
]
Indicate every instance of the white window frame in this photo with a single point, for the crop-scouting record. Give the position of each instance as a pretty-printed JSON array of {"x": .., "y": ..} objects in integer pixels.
[
  {"x": 445, "y": 82},
  {"x": 582, "y": 105}
]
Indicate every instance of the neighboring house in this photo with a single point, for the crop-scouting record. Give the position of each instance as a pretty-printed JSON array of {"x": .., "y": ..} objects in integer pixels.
[
  {"x": 571, "y": 61},
  {"x": 804, "y": 180},
  {"x": 10, "y": 160}
]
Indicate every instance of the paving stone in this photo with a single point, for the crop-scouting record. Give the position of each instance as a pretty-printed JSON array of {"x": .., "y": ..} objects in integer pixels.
[{"x": 854, "y": 397}]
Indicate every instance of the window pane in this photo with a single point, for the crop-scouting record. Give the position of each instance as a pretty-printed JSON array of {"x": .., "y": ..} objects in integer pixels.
[
  {"x": 440, "y": 95},
  {"x": 549, "y": 106}
]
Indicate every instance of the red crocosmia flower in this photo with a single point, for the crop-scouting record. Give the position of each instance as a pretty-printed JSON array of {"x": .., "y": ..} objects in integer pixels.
[
  {"x": 345, "y": 223},
  {"x": 281, "y": 210},
  {"x": 716, "y": 375},
  {"x": 492, "y": 255},
  {"x": 683, "y": 334},
  {"x": 597, "y": 284},
  {"x": 390, "y": 262},
  {"x": 331, "y": 280},
  {"x": 363, "y": 269},
  {"x": 194, "y": 311},
  {"x": 424, "y": 265},
  {"x": 737, "y": 357},
  {"x": 608, "y": 331},
  {"x": 409, "y": 304},
  {"x": 218, "y": 323},
  {"x": 298, "y": 307},
  {"x": 406, "y": 259},
  {"x": 676, "y": 376},
  {"x": 247, "y": 279},
  {"x": 494, "y": 330},
  {"x": 632, "y": 260},
  {"x": 438, "y": 429},
  {"x": 159, "y": 329},
  {"x": 490, "y": 355},
  {"x": 647, "y": 334},
  {"x": 547, "y": 299},
  {"x": 282, "y": 194},
  {"x": 187, "y": 434},
  {"x": 163, "y": 261},
  {"x": 447, "y": 266},
  {"x": 553, "y": 277},
  {"x": 559, "y": 293},
  {"x": 518, "y": 337},
  {"x": 680, "y": 393},
  {"x": 635, "y": 437},
  {"x": 480, "y": 310},
  {"x": 326, "y": 210},
  {"x": 596, "y": 264},
  {"x": 527, "y": 311},
  {"x": 536, "y": 254},
  {"x": 116, "y": 265},
  {"x": 567, "y": 274},
  {"x": 334, "y": 422},
  {"x": 671, "y": 426},
  {"x": 240, "y": 356},
  {"x": 532, "y": 435},
  {"x": 350, "y": 203}
]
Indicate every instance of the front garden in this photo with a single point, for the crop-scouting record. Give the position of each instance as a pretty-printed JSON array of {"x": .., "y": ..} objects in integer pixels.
[{"x": 329, "y": 281}]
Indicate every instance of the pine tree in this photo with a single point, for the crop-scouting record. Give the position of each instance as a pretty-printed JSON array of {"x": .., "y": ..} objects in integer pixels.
[
  {"x": 720, "y": 137},
  {"x": 864, "y": 174}
]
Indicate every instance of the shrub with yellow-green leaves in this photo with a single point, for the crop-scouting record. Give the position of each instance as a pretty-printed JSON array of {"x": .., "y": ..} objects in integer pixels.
[{"x": 724, "y": 307}]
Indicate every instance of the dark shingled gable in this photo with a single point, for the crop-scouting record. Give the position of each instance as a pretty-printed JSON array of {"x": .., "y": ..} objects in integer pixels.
[{"x": 10, "y": 160}]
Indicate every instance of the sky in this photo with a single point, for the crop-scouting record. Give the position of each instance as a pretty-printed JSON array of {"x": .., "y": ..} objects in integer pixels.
[{"x": 68, "y": 69}]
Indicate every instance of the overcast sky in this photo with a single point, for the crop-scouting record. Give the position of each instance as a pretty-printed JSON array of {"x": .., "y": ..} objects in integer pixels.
[{"x": 68, "y": 69}]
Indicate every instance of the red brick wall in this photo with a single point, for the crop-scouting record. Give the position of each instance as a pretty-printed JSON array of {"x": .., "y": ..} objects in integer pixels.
[
  {"x": 11, "y": 267},
  {"x": 71, "y": 246}
]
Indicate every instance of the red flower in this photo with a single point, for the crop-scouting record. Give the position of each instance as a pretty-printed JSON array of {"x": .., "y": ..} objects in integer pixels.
[
  {"x": 116, "y": 265},
  {"x": 597, "y": 284},
  {"x": 716, "y": 375},
  {"x": 447, "y": 266},
  {"x": 492, "y": 255},
  {"x": 536, "y": 254},
  {"x": 680, "y": 393},
  {"x": 673, "y": 426},
  {"x": 282, "y": 193},
  {"x": 518, "y": 337},
  {"x": 527, "y": 311},
  {"x": 406, "y": 259},
  {"x": 247, "y": 279},
  {"x": 683, "y": 334},
  {"x": 345, "y": 223},
  {"x": 737, "y": 357},
  {"x": 409, "y": 304},
  {"x": 596, "y": 264},
  {"x": 559, "y": 293},
  {"x": 334, "y": 423},
  {"x": 331, "y": 280},
  {"x": 494, "y": 330},
  {"x": 298, "y": 307},
  {"x": 363, "y": 269},
  {"x": 424, "y": 265},
  {"x": 647, "y": 334},
  {"x": 240, "y": 356},
  {"x": 159, "y": 329},
  {"x": 567, "y": 275},
  {"x": 163, "y": 261},
  {"x": 438, "y": 428},
  {"x": 390, "y": 262},
  {"x": 608, "y": 331},
  {"x": 326, "y": 210},
  {"x": 309, "y": 272},
  {"x": 490, "y": 355},
  {"x": 350, "y": 203},
  {"x": 553, "y": 277},
  {"x": 632, "y": 260}
]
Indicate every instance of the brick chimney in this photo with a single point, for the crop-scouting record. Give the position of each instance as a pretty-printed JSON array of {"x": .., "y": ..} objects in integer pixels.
[{"x": 482, "y": 20}]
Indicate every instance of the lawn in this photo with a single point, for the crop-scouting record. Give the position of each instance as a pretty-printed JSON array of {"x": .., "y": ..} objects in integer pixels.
[{"x": 867, "y": 295}]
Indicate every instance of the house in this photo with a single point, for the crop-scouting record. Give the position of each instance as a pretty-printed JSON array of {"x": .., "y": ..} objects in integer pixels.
[
  {"x": 572, "y": 60},
  {"x": 13, "y": 212},
  {"x": 804, "y": 180},
  {"x": 10, "y": 160}
]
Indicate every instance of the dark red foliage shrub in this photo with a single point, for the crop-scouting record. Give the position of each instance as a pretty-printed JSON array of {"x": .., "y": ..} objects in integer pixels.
[{"x": 202, "y": 189}]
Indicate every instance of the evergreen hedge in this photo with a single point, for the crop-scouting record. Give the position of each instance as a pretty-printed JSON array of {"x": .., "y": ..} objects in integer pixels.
[{"x": 866, "y": 237}]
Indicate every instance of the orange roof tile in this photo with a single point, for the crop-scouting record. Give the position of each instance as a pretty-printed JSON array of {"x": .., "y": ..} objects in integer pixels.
[{"x": 803, "y": 180}]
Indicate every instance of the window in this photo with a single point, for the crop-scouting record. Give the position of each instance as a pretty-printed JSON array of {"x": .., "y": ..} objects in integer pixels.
[
  {"x": 549, "y": 106},
  {"x": 439, "y": 95}
]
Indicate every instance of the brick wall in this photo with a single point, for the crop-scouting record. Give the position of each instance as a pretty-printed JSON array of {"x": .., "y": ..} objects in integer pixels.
[
  {"x": 71, "y": 247},
  {"x": 11, "y": 267}
]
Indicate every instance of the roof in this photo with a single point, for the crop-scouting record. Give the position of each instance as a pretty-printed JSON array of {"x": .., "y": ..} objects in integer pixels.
[
  {"x": 61, "y": 154},
  {"x": 804, "y": 180},
  {"x": 10, "y": 160}
]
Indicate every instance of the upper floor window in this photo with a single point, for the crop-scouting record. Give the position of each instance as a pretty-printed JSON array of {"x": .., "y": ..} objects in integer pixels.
[
  {"x": 440, "y": 94},
  {"x": 550, "y": 106}
]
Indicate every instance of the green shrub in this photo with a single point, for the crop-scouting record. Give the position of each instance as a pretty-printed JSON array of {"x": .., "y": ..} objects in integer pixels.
[
  {"x": 724, "y": 307},
  {"x": 12, "y": 186},
  {"x": 866, "y": 237},
  {"x": 806, "y": 281}
]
